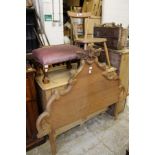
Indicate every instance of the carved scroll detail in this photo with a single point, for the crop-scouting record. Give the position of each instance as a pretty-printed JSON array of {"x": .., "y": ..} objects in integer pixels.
[
  {"x": 101, "y": 65},
  {"x": 122, "y": 96},
  {"x": 90, "y": 54},
  {"x": 43, "y": 124},
  {"x": 110, "y": 74},
  {"x": 123, "y": 93}
]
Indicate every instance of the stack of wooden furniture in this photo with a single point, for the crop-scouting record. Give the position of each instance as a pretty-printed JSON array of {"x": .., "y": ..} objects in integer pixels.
[
  {"x": 95, "y": 7},
  {"x": 90, "y": 15}
]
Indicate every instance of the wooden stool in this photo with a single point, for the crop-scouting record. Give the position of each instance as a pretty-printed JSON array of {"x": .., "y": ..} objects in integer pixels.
[{"x": 47, "y": 56}]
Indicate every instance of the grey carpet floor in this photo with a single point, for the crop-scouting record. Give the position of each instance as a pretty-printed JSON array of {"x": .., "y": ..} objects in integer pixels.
[{"x": 101, "y": 135}]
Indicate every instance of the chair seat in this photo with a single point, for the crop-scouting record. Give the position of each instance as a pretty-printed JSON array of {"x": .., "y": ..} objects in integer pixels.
[
  {"x": 91, "y": 40},
  {"x": 55, "y": 54}
]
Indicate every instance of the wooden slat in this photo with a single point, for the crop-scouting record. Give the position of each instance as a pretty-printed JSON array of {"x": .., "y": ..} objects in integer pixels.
[
  {"x": 92, "y": 21},
  {"x": 92, "y": 6}
]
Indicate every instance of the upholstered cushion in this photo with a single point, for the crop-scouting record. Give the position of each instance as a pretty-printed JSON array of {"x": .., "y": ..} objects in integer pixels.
[{"x": 55, "y": 54}]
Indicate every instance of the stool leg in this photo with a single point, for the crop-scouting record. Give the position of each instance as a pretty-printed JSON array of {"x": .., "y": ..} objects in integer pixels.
[
  {"x": 107, "y": 54},
  {"x": 52, "y": 139},
  {"x": 45, "y": 72}
]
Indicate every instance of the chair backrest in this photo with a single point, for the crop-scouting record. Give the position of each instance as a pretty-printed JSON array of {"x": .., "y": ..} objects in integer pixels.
[{"x": 79, "y": 24}]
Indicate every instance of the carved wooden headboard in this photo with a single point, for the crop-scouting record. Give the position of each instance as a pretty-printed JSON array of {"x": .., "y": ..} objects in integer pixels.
[{"x": 91, "y": 89}]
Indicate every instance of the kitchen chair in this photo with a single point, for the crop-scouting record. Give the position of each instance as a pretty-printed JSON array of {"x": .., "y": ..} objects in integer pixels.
[{"x": 79, "y": 23}]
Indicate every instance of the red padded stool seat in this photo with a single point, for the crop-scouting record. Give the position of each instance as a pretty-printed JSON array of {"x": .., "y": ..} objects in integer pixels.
[{"x": 54, "y": 54}]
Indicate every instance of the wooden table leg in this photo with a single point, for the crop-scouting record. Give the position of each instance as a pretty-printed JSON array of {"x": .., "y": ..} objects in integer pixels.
[
  {"x": 107, "y": 54},
  {"x": 52, "y": 139}
]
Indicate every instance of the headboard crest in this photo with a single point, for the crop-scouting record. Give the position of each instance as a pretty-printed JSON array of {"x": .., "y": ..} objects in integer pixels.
[{"x": 90, "y": 54}]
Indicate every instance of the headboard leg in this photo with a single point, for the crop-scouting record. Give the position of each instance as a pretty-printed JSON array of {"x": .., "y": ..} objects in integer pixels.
[{"x": 52, "y": 139}]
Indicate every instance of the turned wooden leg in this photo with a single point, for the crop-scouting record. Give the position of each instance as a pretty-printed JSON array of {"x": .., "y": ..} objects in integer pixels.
[
  {"x": 52, "y": 139},
  {"x": 45, "y": 72},
  {"x": 107, "y": 54}
]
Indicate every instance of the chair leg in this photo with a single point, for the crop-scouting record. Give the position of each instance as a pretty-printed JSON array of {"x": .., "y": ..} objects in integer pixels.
[
  {"x": 107, "y": 54},
  {"x": 52, "y": 139}
]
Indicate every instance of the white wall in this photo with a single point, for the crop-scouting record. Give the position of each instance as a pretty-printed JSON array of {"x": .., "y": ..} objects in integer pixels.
[
  {"x": 54, "y": 31},
  {"x": 115, "y": 11}
]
